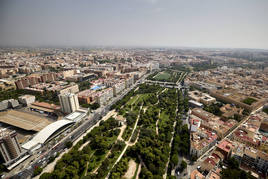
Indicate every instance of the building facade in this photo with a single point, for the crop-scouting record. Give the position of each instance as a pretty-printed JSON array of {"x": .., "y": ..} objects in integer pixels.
[
  {"x": 68, "y": 102},
  {"x": 9, "y": 146}
]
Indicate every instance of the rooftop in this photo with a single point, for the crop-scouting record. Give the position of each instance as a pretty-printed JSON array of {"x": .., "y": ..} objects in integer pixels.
[
  {"x": 24, "y": 120},
  {"x": 225, "y": 145}
]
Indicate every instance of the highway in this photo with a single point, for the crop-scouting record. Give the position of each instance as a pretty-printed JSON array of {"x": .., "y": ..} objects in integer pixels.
[{"x": 93, "y": 118}]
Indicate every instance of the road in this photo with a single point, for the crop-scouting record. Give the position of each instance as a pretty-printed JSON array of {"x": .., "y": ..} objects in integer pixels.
[{"x": 93, "y": 118}]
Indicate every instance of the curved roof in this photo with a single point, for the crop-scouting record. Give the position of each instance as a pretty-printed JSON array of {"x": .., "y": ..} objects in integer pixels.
[{"x": 46, "y": 133}]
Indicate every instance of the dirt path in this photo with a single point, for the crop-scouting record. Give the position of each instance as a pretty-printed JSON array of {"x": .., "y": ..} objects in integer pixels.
[
  {"x": 144, "y": 109},
  {"x": 82, "y": 146},
  {"x": 131, "y": 144},
  {"x": 127, "y": 144},
  {"x": 86, "y": 169},
  {"x": 170, "y": 144},
  {"x": 135, "y": 100},
  {"x": 135, "y": 126},
  {"x": 138, "y": 172},
  {"x": 131, "y": 169},
  {"x": 136, "y": 89},
  {"x": 96, "y": 169},
  {"x": 165, "y": 175},
  {"x": 156, "y": 124},
  {"x": 122, "y": 129}
]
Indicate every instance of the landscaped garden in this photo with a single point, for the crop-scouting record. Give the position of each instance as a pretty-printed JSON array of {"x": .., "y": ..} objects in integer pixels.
[
  {"x": 142, "y": 138},
  {"x": 168, "y": 76}
]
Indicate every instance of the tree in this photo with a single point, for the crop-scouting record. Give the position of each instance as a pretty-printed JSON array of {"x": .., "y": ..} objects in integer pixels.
[
  {"x": 51, "y": 159},
  {"x": 174, "y": 159},
  {"x": 237, "y": 117},
  {"x": 183, "y": 165},
  {"x": 69, "y": 144},
  {"x": 265, "y": 110},
  {"x": 46, "y": 176},
  {"x": 37, "y": 171},
  {"x": 233, "y": 163},
  {"x": 2, "y": 168},
  {"x": 193, "y": 158},
  {"x": 95, "y": 106},
  {"x": 100, "y": 144},
  {"x": 146, "y": 174}
]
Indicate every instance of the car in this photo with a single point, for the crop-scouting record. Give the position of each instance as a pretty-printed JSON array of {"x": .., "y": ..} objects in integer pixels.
[{"x": 178, "y": 173}]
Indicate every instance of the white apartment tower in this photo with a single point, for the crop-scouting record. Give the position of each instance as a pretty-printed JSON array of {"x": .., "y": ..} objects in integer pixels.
[{"x": 69, "y": 102}]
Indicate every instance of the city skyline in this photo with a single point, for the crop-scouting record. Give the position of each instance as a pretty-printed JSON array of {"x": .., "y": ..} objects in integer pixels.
[{"x": 138, "y": 23}]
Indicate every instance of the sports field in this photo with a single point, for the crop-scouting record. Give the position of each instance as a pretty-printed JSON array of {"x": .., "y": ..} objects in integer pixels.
[{"x": 162, "y": 76}]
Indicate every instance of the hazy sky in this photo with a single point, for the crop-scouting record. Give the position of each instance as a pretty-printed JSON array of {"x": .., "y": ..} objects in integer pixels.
[{"x": 178, "y": 23}]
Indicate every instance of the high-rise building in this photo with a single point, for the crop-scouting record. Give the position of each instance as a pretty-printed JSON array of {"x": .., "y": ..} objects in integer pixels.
[
  {"x": 72, "y": 88},
  {"x": 9, "y": 146},
  {"x": 69, "y": 102}
]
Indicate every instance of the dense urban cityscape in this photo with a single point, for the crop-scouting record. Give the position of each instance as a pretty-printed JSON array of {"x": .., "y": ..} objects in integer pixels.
[
  {"x": 133, "y": 113},
  {"x": 133, "y": 89}
]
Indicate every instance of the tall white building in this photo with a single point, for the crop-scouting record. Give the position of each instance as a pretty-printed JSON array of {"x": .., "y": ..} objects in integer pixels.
[{"x": 69, "y": 102}]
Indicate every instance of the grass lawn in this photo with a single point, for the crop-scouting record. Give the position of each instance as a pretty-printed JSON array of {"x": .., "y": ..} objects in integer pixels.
[
  {"x": 162, "y": 76},
  {"x": 164, "y": 116},
  {"x": 142, "y": 97},
  {"x": 249, "y": 101},
  {"x": 133, "y": 99}
]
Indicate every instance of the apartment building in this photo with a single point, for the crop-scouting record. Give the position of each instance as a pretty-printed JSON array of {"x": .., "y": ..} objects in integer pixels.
[
  {"x": 35, "y": 79},
  {"x": 27, "y": 99},
  {"x": 72, "y": 88},
  {"x": 201, "y": 139},
  {"x": 245, "y": 137},
  {"x": 129, "y": 81},
  {"x": 68, "y": 102},
  {"x": 9, "y": 146},
  {"x": 6, "y": 85},
  {"x": 204, "y": 115},
  {"x": 26, "y": 82},
  {"x": 118, "y": 87},
  {"x": 86, "y": 96},
  {"x": 256, "y": 159},
  {"x": 104, "y": 95},
  {"x": 68, "y": 73},
  {"x": 48, "y": 77}
]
